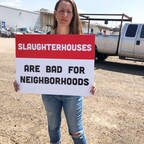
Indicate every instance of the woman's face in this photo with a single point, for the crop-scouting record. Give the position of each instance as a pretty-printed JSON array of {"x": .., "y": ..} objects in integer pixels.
[{"x": 64, "y": 13}]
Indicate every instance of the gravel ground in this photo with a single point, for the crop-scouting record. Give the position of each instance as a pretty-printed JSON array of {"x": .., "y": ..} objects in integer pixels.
[{"x": 115, "y": 115}]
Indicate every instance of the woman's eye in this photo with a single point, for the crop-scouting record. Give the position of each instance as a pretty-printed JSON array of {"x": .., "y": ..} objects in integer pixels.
[
  {"x": 63, "y": 12},
  {"x": 69, "y": 12}
]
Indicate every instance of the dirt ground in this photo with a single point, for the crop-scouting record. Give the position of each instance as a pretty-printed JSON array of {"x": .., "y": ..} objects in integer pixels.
[{"x": 115, "y": 115}]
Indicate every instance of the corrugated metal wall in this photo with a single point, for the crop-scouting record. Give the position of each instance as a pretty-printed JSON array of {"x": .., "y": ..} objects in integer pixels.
[
  {"x": 46, "y": 20},
  {"x": 19, "y": 18}
]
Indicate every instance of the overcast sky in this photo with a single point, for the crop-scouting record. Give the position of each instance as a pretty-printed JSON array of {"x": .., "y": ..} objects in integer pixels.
[{"x": 132, "y": 8}]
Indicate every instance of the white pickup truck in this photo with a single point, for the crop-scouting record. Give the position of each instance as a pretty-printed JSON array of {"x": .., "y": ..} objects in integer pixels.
[{"x": 129, "y": 44}]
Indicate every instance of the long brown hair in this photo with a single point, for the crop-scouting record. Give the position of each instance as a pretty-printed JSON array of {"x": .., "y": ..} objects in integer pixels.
[{"x": 75, "y": 25}]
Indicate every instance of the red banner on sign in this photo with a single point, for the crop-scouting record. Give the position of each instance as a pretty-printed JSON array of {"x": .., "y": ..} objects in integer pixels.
[{"x": 55, "y": 46}]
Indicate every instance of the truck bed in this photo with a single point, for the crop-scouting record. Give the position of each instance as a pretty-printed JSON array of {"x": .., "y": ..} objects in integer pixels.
[{"x": 107, "y": 43}]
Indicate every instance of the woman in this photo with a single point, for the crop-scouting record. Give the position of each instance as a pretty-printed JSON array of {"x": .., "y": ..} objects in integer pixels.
[{"x": 66, "y": 21}]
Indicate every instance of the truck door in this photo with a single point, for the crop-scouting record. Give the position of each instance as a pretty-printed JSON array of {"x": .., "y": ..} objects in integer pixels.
[
  {"x": 128, "y": 39},
  {"x": 139, "y": 46}
]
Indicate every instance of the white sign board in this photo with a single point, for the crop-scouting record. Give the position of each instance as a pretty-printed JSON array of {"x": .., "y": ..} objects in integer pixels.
[{"x": 55, "y": 64}]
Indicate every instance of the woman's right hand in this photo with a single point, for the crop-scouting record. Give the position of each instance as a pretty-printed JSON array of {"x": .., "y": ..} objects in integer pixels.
[
  {"x": 16, "y": 86},
  {"x": 93, "y": 89}
]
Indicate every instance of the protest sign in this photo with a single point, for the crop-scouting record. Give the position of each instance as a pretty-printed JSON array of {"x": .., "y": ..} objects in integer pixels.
[{"x": 55, "y": 64}]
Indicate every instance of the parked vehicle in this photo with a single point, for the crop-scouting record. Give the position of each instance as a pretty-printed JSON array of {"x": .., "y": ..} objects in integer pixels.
[
  {"x": 39, "y": 32},
  {"x": 127, "y": 42},
  {"x": 22, "y": 30},
  {"x": 130, "y": 44},
  {"x": 4, "y": 32},
  {"x": 13, "y": 31}
]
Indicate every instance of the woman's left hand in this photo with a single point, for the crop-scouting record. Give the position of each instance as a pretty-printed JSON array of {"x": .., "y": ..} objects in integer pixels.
[{"x": 93, "y": 89}]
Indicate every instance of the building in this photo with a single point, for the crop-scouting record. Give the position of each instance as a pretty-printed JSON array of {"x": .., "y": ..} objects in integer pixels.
[
  {"x": 39, "y": 20},
  {"x": 18, "y": 18},
  {"x": 12, "y": 17}
]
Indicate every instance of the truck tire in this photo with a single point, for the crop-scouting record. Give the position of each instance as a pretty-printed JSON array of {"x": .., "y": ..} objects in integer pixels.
[
  {"x": 121, "y": 57},
  {"x": 101, "y": 57}
]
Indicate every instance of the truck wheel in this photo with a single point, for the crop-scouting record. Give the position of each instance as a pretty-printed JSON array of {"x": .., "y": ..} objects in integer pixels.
[
  {"x": 101, "y": 57},
  {"x": 121, "y": 57}
]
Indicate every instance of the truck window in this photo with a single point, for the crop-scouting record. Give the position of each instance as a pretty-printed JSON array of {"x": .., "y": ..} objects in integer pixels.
[
  {"x": 142, "y": 32},
  {"x": 131, "y": 30}
]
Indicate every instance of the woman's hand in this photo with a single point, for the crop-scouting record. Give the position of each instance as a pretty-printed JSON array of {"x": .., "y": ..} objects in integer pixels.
[
  {"x": 93, "y": 89},
  {"x": 16, "y": 86}
]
